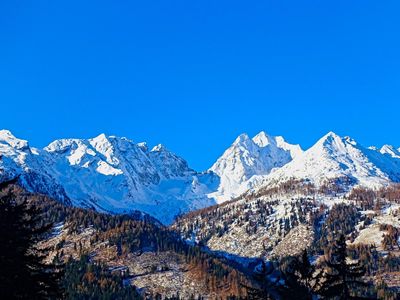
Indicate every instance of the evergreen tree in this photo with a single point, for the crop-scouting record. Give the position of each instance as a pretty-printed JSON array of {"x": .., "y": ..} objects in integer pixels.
[
  {"x": 299, "y": 277},
  {"x": 341, "y": 280},
  {"x": 89, "y": 280},
  {"x": 23, "y": 274},
  {"x": 306, "y": 270},
  {"x": 263, "y": 289}
]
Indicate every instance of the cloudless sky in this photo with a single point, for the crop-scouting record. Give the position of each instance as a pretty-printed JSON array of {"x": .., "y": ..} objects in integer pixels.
[{"x": 195, "y": 74}]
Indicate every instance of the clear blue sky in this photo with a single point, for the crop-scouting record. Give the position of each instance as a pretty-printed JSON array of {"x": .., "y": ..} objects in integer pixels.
[{"x": 194, "y": 74}]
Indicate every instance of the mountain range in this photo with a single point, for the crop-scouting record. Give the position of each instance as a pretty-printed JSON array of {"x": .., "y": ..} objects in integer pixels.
[{"x": 117, "y": 175}]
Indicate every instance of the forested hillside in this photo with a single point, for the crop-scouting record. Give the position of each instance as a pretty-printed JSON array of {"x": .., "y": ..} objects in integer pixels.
[
  {"x": 270, "y": 229},
  {"x": 125, "y": 256}
]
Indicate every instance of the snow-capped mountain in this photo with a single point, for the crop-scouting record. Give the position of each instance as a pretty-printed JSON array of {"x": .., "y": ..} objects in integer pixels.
[
  {"x": 334, "y": 157},
  {"x": 108, "y": 173},
  {"x": 116, "y": 175},
  {"x": 18, "y": 158},
  {"x": 390, "y": 150},
  {"x": 248, "y": 157}
]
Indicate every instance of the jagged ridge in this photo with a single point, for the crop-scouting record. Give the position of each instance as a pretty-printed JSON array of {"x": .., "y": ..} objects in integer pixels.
[{"x": 116, "y": 175}]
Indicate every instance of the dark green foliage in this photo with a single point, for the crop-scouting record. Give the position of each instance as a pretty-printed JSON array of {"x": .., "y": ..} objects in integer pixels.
[
  {"x": 336, "y": 278},
  {"x": 299, "y": 277},
  {"x": 85, "y": 280},
  {"x": 23, "y": 274},
  {"x": 341, "y": 279},
  {"x": 263, "y": 289},
  {"x": 137, "y": 234}
]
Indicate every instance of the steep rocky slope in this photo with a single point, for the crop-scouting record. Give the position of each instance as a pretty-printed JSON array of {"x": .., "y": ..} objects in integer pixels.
[{"x": 116, "y": 175}]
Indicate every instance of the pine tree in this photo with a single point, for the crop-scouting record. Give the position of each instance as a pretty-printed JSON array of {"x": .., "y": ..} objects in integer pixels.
[
  {"x": 341, "y": 279},
  {"x": 23, "y": 274},
  {"x": 306, "y": 271},
  {"x": 263, "y": 289},
  {"x": 299, "y": 277},
  {"x": 89, "y": 280}
]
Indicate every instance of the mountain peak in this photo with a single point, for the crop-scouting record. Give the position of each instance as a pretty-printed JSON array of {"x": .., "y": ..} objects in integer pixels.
[
  {"x": 390, "y": 150},
  {"x": 331, "y": 135},
  {"x": 333, "y": 143},
  {"x": 115, "y": 174},
  {"x": 5, "y": 132},
  {"x": 350, "y": 140},
  {"x": 334, "y": 157},
  {"x": 102, "y": 144},
  {"x": 101, "y": 138},
  {"x": 7, "y": 137},
  {"x": 387, "y": 147},
  {"x": 332, "y": 140},
  {"x": 242, "y": 138},
  {"x": 247, "y": 157},
  {"x": 262, "y": 139},
  {"x": 143, "y": 146},
  {"x": 158, "y": 148}
]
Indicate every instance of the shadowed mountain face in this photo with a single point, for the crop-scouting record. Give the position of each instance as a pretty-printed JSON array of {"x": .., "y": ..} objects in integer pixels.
[
  {"x": 108, "y": 173},
  {"x": 116, "y": 175}
]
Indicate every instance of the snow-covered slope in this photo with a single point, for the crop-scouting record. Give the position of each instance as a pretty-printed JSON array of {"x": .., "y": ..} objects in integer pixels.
[
  {"x": 117, "y": 175},
  {"x": 390, "y": 150},
  {"x": 109, "y": 174},
  {"x": 334, "y": 157},
  {"x": 248, "y": 157},
  {"x": 18, "y": 158}
]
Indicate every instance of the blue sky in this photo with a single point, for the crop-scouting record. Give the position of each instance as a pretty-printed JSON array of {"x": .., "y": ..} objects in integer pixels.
[{"x": 195, "y": 74}]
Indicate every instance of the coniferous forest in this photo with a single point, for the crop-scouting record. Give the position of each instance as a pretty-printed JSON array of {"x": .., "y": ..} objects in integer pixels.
[
  {"x": 84, "y": 267},
  {"x": 199, "y": 150},
  {"x": 29, "y": 219}
]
